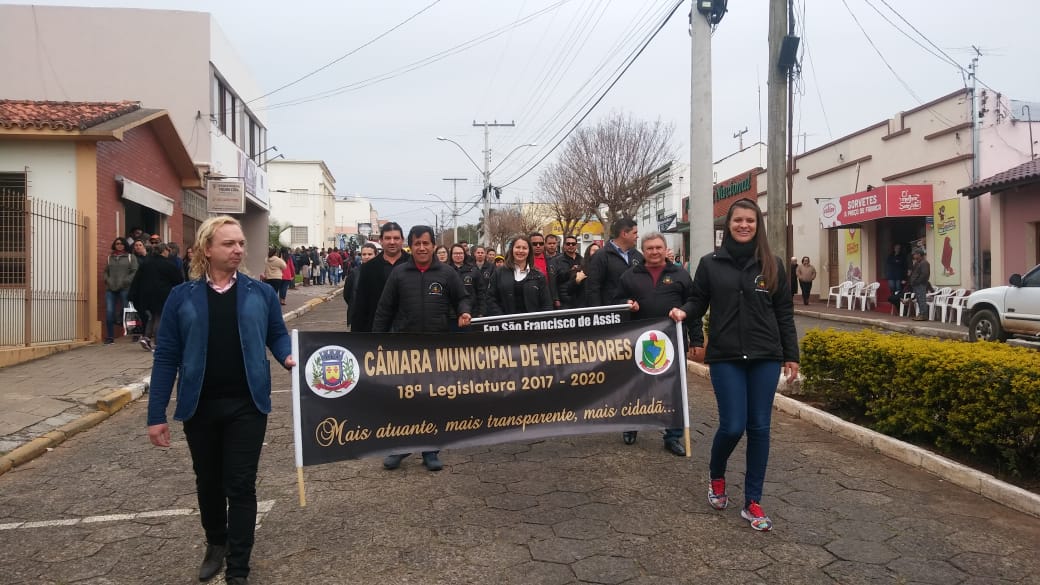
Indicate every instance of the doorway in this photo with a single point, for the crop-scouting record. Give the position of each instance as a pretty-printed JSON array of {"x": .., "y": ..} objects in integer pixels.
[{"x": 903, "y": 231}]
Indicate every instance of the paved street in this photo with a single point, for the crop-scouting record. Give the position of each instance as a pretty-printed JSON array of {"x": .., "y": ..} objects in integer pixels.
[
  {"x": 44, "y": 394},
  {"x": 105, "y": 507}
]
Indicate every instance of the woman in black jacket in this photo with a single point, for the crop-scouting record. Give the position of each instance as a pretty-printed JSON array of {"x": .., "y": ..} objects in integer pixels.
[
  {"x": 751, "y": 337},
  {"x": 518, "y": 287},
  {"x": 574, "y": 289},
  {"x": 471, "y": 277}
]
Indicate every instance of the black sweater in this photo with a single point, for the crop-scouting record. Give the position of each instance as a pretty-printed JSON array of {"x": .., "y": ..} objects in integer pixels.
[{"x": 225, "y": 367}]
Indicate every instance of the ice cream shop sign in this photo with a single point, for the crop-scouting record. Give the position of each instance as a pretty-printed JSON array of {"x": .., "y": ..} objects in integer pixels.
[{"x": 876, "y": 203}]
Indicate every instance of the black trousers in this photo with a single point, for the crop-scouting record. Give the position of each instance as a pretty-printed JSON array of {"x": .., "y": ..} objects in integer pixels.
[
  {"x": 806, "y": 288},
  {"x": 225, "y": 436}
]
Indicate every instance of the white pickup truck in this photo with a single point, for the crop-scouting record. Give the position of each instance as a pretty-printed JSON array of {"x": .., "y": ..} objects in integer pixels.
[{"x": 996, "y": 313}]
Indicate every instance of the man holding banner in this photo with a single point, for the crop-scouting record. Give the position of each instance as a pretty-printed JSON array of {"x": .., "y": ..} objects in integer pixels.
[
  {"x": 654, "y": 288},
  {"x": 419, "y": 296}
]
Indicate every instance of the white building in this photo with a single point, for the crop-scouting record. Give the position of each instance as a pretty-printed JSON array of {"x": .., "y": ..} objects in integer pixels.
[
  {"x": 662, "y": 211},
  {"x": 167, "y": 59},
  {"x": 303, "y": 194},
  {"x": 355, "y": 216}
]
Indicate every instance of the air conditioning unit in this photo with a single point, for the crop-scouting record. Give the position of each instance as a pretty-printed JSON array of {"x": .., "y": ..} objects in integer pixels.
[{"x": 586, "y": 237}]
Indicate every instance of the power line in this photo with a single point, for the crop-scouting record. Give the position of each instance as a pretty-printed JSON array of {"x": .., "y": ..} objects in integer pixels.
[
  {"x": 942, "y": 57},
  {"x": 348, "y": 53},
  {"x": 634, "y": 33},
  {"x": 418, "y": 64},
  {"x": 603, "y": 95}
]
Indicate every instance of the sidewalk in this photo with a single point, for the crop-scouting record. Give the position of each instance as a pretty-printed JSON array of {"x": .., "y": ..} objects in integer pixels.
[
  {"x": 887, "y": 321},
  {"x": 64, "y": 393}
]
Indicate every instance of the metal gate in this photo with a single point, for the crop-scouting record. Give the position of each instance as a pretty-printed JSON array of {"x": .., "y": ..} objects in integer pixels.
[{"x": 44, "y": 252}]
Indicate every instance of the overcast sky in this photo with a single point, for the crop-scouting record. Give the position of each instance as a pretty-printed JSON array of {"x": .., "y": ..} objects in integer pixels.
[{"x": 380, "y": 140}]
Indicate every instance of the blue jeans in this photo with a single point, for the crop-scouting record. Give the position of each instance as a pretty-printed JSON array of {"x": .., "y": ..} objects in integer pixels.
[
  {"x": 110, "y": 309},
  {"x": 285, "y": 288},
  {"x": 921, "y": 296},
  {"x": 744, "y": 394}
]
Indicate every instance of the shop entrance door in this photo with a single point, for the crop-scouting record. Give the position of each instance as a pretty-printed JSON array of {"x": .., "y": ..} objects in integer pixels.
[{"x": 902, "y": 231}]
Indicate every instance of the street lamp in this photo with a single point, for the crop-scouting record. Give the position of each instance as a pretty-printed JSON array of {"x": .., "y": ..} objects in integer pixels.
[{"x": 485, "y": 174}]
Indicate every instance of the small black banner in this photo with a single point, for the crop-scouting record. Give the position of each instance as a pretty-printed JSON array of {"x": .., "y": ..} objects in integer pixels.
[{"x": 365, "y": 394}]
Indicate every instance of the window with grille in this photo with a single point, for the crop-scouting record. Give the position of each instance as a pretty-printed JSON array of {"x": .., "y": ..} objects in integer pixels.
[
  {"x": 12, "y": 229},
  {"x": 299, "y": 236}
]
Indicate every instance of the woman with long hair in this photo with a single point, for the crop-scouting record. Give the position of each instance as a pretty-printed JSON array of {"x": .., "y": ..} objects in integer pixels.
[
  {"x": 119, "y": 273},
  {"x": 577, "y": 286},
  {"x": 273, "y": 269},
  {"x": 517, "y": 287},
  {"x": 752, "y": 337},
  {"x": 186, "y": 262},
  {"x": 441, "y": 254},
  {"x": 288, "y": 274},
  {"x": 472, "y": 279}
]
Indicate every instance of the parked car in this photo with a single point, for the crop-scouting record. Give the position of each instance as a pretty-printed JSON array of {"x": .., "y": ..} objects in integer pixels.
[{"x": 996, "y": 313}]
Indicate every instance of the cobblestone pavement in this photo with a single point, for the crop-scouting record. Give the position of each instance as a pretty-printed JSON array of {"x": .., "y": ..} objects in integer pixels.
[
  {"x": 558, "y": 511},
  {"x": 44, "y": 394}
]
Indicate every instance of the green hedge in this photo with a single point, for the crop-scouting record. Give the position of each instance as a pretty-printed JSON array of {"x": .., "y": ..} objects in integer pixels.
[{"x": 980, "y": 397}]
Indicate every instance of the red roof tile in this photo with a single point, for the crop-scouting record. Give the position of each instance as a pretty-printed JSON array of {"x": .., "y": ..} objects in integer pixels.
[
  {"x": 61, "y": 115},
  {"x": 1023, "y": 174}
]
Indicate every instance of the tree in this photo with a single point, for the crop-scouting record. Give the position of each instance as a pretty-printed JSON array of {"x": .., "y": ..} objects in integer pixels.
[
  {"x": 611, "y": 164},
  {"x": 506, "y": 224},
  {"x": 562, "y": 193}
]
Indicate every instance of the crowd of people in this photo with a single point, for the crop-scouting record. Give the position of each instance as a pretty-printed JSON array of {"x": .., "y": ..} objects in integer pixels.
[{"x": 412, "y": 285}]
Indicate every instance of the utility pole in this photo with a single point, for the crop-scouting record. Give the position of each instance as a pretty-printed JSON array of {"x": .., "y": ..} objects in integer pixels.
[
  {"x": 790, "y": 138},
  {"x": 486, "y": 192},
  {"x": 976, "y": 240},
  {"x": 776, "y": 128},
  {"x": 700, "y": 212},
  {"x": 455, "y": 207}
]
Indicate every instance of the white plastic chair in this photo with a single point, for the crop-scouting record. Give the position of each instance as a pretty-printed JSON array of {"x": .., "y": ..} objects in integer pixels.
[
  {"x": 935, "y": 302},
  {"x": 836, "y": 292},
  {"x": 854, "y": 291},
  {"x": 907, "y": 304},
  {"x": 869, "y": 295},
  {"x": 956, "y": 303}
]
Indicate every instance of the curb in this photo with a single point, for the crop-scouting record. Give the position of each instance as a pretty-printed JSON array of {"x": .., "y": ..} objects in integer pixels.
[
  {"x": 907, "y": 328},
  {"x": 109, "y": 405},
  {"x": 958, "y": 474}
]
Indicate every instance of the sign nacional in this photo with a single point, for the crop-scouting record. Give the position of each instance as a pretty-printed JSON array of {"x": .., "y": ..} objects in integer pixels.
[{"x": 362, "y": 395}]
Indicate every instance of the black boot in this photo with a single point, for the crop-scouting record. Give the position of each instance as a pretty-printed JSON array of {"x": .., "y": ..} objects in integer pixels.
[{"x": 212, "y": 562}]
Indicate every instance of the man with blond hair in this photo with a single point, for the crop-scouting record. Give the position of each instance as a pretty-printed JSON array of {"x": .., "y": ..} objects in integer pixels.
[{"x": 214, "y": 337}]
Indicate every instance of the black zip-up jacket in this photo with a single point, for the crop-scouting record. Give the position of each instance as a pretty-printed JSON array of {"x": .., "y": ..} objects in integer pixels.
[
  {"x": 475, "y": 286},
  {"x": 673, "y": 289},
  {"x": 372, "y": 277},
  {"x": 485, "y": 271},
  {"x": 502, "y": 292},
  {"x": 747, "y": 321},
  {"x": 605, "y": 269},
  {"x": 562, "y": 271},
  {"x": 416, "y": 301}
]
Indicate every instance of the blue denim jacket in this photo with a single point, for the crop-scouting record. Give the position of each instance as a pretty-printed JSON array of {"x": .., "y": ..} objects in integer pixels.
[{"x": 182, "y": 345}]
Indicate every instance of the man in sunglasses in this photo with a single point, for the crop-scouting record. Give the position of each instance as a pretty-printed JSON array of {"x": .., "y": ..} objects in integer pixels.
[
  {"x": 564, "y": 266},
  {"x": 538, "y": 253}
]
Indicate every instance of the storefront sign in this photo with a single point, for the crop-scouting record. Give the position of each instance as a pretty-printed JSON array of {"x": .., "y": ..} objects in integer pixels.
[
  {"x": 360, "y": 394},
  {"x": 225, "y": 196},
  {"x": 728, "y": 191},
  {"x": 947, "y": 242},
  {"x": 877, "y": 203}
]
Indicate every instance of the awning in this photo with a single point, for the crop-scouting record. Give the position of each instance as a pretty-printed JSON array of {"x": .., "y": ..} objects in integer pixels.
[
  {"x": 142, "y": 195},
  {"x": 876, "y": 203}
]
